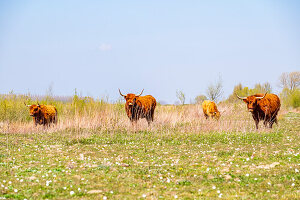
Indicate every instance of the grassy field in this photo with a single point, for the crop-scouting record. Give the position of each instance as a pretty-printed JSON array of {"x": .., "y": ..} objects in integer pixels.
[{"x": 95, "y": 153}]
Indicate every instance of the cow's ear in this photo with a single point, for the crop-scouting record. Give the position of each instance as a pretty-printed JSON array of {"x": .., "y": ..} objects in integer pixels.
[{"x": 245, "y": 100}]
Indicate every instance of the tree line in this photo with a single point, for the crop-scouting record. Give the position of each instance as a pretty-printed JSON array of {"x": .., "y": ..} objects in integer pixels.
[{"x": 289, "y": 82}]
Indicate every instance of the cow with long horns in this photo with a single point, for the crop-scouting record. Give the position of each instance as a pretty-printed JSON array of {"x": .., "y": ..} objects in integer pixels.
[
  {"x": 138, "y": 106},
  {"x": 263, "y": 107},
  {"x": 43, "y": 114}
]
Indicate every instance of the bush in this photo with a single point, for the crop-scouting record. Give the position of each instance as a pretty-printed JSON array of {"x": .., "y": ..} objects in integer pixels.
[{"x": 290, "y": 98}]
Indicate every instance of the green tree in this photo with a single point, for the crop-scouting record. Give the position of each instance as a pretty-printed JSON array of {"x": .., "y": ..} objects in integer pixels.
[
  {"x": 290, "y": 94},
  {"x": 200, "y": 98},
  {"x": 246, "y": 91}
]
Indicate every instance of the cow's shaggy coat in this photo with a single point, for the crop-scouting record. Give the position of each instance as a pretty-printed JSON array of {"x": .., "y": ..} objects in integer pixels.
[
  {"x": 263, "y": 107},
  {"x": 210, "y": 109},
  {"x": 43, "y": 114},
  {"x": 137, "y": 107}
]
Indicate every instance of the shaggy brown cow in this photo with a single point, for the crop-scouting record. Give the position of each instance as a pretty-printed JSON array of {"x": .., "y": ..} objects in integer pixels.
[
  {"x": 263, "y": 107},
  {"x": 43, "y": 114},
  {"x": 210, "y": 109},
  {"x": 138, "y": 106}
]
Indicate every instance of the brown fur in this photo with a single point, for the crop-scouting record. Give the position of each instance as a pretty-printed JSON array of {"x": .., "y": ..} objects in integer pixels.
[
  {"x": 140, "y": 107},
  {"x": 43, "y": 114},
  {"x": 263, "y": 109},
  {"x": 210, "y": 109}
]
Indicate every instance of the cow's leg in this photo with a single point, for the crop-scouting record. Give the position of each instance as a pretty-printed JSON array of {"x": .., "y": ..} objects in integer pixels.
[
  {"x": 152, "y": 114},
  {"x": 206, "y": 116},
  {"x": 271, "y": 124},
  {"x": 149, "y": 119},
  {"x": 256, "y": 119},
  {"x": 266, "y": 123},
  {"x": 276, "y": 120},
  {"x": 134, "y": 122},
  {"x": 55, "y": 119},
  {"x": 256, "y": 123},
  {"x": 45, "y": 122}
]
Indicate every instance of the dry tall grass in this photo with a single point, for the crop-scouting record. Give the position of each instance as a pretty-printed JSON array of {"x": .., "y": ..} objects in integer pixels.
[{"x": 85, "y": 115}]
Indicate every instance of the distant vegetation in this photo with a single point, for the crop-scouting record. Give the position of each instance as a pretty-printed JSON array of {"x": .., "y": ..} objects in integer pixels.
[
  {"x": 214, "y": 91},
  {"x": 289, "y": 95},
  {"x": 12, "y": 106},
  {"x": 290, "y": 83},
  {"x": 246, "y": 91}
]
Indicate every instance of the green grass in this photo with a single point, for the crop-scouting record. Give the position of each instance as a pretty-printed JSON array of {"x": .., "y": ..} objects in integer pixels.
[{"x": 157, "y": 164}]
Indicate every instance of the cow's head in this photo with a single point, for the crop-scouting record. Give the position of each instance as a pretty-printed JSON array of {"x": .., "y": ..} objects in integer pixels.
[
  {"x": 252, "y": 101},
  {"x": 130, "y": 98},
  {"x": 34, "y": 110}
]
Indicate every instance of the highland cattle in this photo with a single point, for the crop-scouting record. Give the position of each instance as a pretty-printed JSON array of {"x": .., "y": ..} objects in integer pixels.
[
  {"x": 210, "y": 109},
  {"x": 263, "y": 107},
  {"x": 43, "y": 114},
  {"x": 138, "y": 106}
]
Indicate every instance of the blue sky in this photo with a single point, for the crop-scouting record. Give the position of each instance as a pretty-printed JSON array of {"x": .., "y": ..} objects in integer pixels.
[{"x": 161, "y": 46}]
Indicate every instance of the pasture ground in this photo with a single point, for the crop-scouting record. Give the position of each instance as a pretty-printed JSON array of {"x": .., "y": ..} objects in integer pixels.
[{"x": 174, "y": 161}]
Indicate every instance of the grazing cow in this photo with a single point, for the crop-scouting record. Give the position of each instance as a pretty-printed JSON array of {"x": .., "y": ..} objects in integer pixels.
[
  {"x": 138, "y": 106},
  {"x": 263, "y": 107},
  {"x": 210, "y": 109},
  {"x": 43, "y": 114}
]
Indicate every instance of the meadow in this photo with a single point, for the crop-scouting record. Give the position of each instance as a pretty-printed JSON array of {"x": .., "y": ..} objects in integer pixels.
[{"x": 94, "y": 152}]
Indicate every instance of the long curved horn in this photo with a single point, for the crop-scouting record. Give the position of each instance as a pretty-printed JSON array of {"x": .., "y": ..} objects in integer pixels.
[
  {"x": 140, "y": 93},
  {"x": 121, "y": 93},
  {"x": 240, "y": 97},
  {"x": 261, "y": 97}
]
